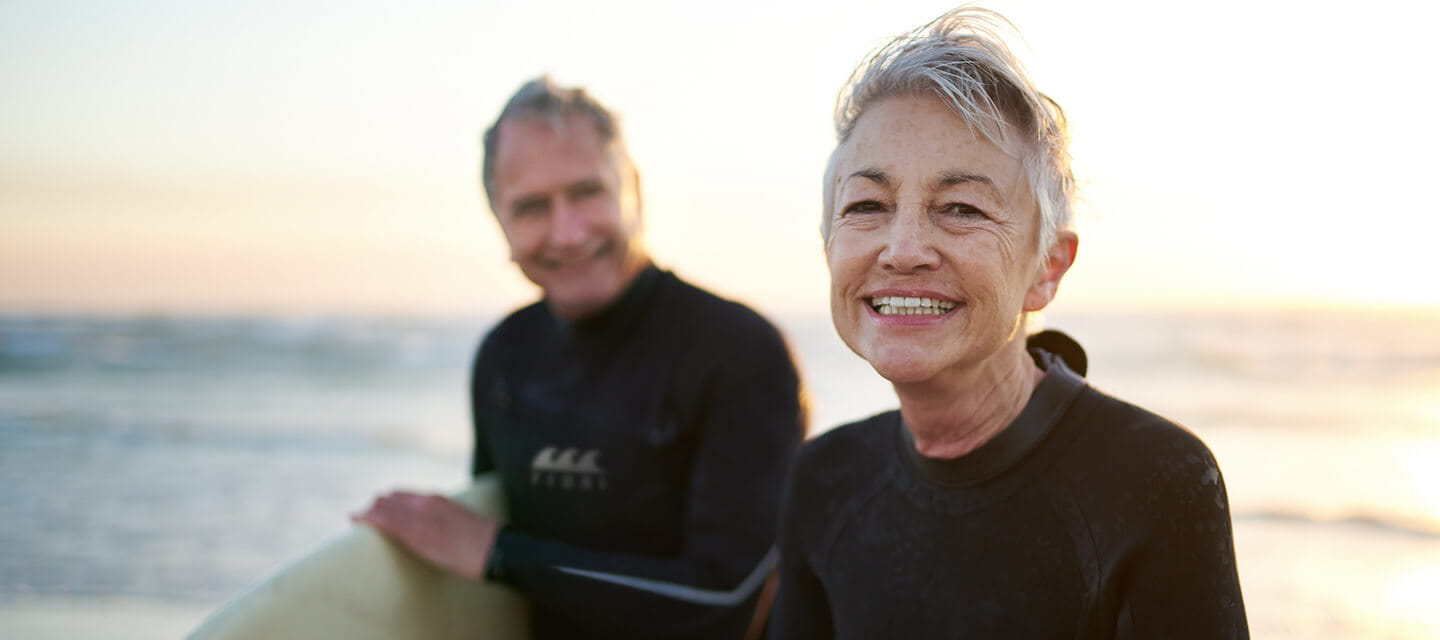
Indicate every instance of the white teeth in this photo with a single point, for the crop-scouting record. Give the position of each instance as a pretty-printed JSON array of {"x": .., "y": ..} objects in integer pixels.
[{"x": 908, "y": 306}]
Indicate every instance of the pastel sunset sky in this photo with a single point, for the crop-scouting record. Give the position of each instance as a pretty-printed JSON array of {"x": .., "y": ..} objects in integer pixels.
[{"x": 321, "y": 156}]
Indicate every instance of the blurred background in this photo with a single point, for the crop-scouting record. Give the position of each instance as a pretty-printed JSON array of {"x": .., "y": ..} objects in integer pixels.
[{"x": 244, "y": 263}]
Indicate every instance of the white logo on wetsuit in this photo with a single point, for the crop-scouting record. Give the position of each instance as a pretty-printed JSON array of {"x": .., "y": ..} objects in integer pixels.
[{"x": 567, "y": 469}]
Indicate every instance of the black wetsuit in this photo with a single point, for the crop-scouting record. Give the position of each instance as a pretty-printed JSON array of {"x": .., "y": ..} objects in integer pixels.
[
  {"x": 643, "y": 451},
  {"x": 1086, "y": 518}
]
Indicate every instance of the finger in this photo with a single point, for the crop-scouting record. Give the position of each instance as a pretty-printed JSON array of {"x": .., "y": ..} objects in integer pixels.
[
  {"x": 386, "y": 518},
  {"x": 369, "y": 517}
]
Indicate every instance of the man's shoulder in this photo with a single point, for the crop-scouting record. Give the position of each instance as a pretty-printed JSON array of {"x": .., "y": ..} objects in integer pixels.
[
  {"x": 519, "y": 326},
  {"x": 690, "y": 297},
  {"x": 715, "y": 330}
]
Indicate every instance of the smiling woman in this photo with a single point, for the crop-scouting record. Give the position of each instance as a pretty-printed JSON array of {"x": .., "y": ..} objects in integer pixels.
[
  {"x": 930, "y": 209},
  {"x": 1003, "y": 483}
]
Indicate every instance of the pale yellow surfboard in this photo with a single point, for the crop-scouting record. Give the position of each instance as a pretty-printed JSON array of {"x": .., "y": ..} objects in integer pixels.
[{"x": 361, "y": 586}]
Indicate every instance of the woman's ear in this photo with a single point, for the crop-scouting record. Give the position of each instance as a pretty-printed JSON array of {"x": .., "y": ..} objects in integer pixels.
[{"x": 1058, "y": 259}]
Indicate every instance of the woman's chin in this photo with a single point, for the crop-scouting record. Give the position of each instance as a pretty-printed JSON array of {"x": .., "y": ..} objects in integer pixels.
[{"x": 904, "y": 370}]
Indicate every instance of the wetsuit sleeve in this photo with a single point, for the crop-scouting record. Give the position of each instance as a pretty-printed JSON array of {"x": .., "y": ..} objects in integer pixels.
[
  {"x": 752, "y": 424},
  {"x": 1182, "y": 581},
  {"x": 801, "y": 608}
]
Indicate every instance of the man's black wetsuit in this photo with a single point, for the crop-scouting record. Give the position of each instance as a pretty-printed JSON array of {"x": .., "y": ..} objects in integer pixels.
[
  {"x": 1086, "y": 518},
  {"x": 643, "y": 451}
]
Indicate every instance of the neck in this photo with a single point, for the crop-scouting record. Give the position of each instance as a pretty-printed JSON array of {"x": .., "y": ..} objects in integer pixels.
[
  {"x": 575, "y": 313},
  {"x": 952, "y": 415}
]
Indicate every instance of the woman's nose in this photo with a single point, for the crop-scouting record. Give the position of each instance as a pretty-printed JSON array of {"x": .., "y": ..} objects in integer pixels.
[{"x": 909, "y": 245}]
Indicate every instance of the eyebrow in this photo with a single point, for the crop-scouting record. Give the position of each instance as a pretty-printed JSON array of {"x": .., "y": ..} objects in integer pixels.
[
  {"x": 585, "y": 185},
  {"x": 952, "y": 178},
  {"x": 873, "y": 174},
  {"x": 955, "y": 178},
  {"x": 947, "y": 179}
]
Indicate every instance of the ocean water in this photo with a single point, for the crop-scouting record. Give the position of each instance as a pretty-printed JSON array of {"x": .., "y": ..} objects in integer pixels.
[{"x": 151, "y": 467}]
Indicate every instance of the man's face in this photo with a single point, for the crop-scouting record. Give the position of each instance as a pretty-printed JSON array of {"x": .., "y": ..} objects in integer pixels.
[{"x": 569, "y": 210}]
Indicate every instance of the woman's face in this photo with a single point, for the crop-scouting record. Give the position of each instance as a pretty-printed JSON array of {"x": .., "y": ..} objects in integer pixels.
[{"x": 932, "y": 250}]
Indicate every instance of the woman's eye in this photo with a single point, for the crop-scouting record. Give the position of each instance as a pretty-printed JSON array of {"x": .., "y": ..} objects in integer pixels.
[
  {"x": 963, "y": 210},
  {"x": 865, "y": 206}
]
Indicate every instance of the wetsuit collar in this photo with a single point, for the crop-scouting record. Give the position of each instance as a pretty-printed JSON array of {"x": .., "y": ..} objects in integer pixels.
[
  {"x": 624, "y": 311},
  {"x": 1047, "y": 403}
]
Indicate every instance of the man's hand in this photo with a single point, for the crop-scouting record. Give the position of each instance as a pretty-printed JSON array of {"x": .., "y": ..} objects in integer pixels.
[{"x": 435, "y": 528}]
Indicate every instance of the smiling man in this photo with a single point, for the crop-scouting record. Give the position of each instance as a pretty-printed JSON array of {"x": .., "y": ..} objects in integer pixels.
[{"x": 641, "y": 427}]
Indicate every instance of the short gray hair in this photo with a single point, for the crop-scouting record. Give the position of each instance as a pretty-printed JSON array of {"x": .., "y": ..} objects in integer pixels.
[
  {"x": 542, "y": 98},
  {"x": 960, "y": 59}
]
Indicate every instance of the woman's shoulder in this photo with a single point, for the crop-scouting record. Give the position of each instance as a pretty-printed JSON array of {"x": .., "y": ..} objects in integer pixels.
[
  {"x": 847, "y": 438},
  {"x": 837, "y": 473},
  {"x": 839, "y": 454},
  {"x": 1110, "y": 421},
  {"x": 1125, "y": 447}
]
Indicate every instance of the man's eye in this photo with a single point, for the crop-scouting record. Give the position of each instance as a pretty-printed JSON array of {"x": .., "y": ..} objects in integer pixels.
[
  {"x": 865, "y": 206},
  {"x": 530, "y": 207}
]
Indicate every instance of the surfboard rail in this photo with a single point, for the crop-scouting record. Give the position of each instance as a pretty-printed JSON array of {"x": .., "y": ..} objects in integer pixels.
[{"x": 362, "y": 586}]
